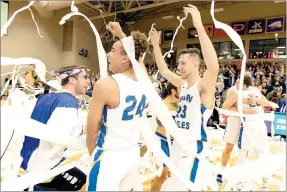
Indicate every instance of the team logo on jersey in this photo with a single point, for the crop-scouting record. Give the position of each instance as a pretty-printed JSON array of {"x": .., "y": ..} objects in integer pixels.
[{"x": 187, "y": 98}]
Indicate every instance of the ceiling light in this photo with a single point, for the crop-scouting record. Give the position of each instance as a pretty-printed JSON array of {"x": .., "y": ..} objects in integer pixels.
[
  {"x": 278, "y": 1},
  {"x": 218, "y": 10},
  {"x": 130, "y": 22},
  {"x": 168, "y": 17},
  {"x": 280, "y": 47}
]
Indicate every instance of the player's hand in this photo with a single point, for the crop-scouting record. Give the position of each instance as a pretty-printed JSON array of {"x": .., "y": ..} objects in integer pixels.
[
  {"x": 154, "y": 37},
  {"x": 196, "y": 18},
  {"x": 115, "y": 29}
]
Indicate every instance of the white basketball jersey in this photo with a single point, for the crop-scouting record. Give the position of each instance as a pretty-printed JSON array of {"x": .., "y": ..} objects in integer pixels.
[
  {"x": 120, "y": 126},
  {"x": 255, "y": 93},
  {"x": 192, "y": 115},
  {"x": 234, "y": 119}
]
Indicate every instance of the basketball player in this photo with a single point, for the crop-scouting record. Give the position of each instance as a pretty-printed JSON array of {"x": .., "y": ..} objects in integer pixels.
[
  {"x": 234, "y": 128},
  {"x": 58, "y": 110},
  {"x": 231, "y": 131},
  {"x": 116, "y": 113},
  {"x": 171, "y": 101},
  {"x": 196, "y": 98},
  {"x": 255, "y": 128},
  {"x": 254, "y": 135}
]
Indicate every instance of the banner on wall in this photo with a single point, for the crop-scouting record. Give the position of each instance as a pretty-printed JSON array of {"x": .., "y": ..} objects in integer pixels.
[
  {"x": 239, "y": 27},
  {"x": 280, "y": 123},
  {"x": 256, "y": 26},
  {"x": 219, "y": 33},
  {"x": 209, "y": 30},
  {"x": 168, "y": 34},
  {"x": 275, "y": 24},
  {"x": 192, "y": 33}
]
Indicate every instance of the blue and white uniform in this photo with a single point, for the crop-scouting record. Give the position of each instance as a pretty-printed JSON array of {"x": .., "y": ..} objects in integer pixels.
[
  {"x": 191, "y": 120},
  {"x": 254, "y": 135},
  {"x": 117, "y": 153},
  {"x": 57, "y": 111}
]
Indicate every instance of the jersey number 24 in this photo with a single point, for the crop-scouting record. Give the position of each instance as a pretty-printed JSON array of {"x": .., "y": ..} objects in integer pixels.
[{"x": 129, "y": 112}]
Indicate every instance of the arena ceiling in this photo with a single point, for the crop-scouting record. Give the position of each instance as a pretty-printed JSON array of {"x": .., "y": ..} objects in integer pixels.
[{"x": 131, "y": 11}]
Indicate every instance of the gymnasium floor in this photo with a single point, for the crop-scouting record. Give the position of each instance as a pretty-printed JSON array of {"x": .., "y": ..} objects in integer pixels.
[{"x": 275, "y": 147}]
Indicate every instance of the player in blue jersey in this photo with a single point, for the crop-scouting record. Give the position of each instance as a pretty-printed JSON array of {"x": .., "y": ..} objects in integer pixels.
[{"x": 58, "y": 110}]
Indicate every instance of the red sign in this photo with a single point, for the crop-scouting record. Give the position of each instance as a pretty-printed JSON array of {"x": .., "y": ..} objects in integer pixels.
[
  {"x": 222, "y": 119},
  {"x": 209, "y": 30},
  {"x": 239, "y": 27},
  {"x": 219, "y": 33}
]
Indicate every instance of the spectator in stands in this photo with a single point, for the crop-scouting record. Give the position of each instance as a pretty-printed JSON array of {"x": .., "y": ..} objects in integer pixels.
[
  {"x": 31, "y": 75},
  {"x": 219, "y": 86},
  {"x": 9, "y": 85},
  {"x": 278, "y": 87},
  {"x": 226, "y": 78},
  {"x": 282, "y": 104},
  {"x": 253, "y": 83},
  {"x": 264, "y": 89},
  {"x": 269, "y": 85},
  {"x": 273, "y": 96}
]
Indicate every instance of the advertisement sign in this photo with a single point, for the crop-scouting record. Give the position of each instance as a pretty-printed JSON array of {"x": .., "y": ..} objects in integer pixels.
[
  {"x": 239, "y": 27},
  {"x": 275, "y": 24},
  {"x": 222, "y": 119},
  {"x": 280, "y": 123},
  {"x": 192, "y": 33},
  {"x": 256, "y": 26},
  {"x": 219, "y": 33},
  {"x": 168, "y": 35},
  {"x": 209, "y": 30}
]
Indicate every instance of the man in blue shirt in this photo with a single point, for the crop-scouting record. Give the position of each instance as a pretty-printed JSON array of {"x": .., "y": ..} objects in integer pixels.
[{"x": 58, "y": 110}]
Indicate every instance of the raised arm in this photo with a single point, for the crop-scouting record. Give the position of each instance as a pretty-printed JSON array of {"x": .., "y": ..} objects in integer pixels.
[
  {"x": 209, "y": 78},
  {"x": 160, "y": 62},
  {"x": 116, "y": 30}
]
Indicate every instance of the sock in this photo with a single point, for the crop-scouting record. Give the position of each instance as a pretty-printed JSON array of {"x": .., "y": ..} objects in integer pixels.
[
  {"x": 222, "y": 168},
  {"x": 219, "y": 175}
]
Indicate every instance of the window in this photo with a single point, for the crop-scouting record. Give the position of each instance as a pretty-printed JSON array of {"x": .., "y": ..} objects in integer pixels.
[
  {"x": 4, "y": 14},
  {"x": 224, "y": 50},
  {"x": 267, "y": 48}
]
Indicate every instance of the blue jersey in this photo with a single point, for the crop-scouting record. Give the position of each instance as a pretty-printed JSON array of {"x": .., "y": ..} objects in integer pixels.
[{"x": 58, "y": 110}]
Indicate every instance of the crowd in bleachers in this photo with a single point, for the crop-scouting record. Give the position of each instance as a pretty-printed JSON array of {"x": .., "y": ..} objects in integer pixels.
[{"x": 269, "y": 77}]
